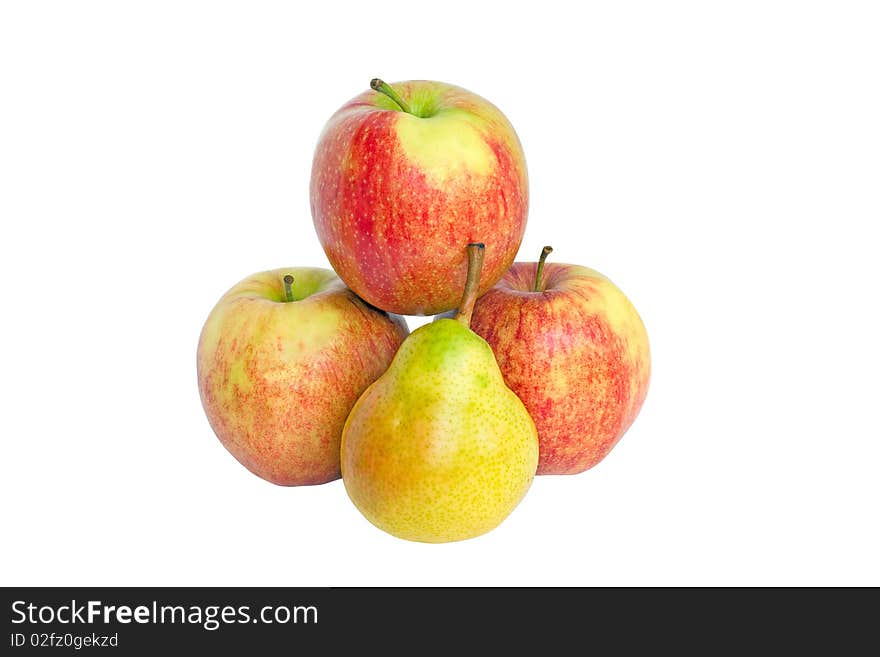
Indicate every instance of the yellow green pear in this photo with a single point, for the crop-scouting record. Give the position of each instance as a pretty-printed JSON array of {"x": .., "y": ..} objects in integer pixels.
[{"x": 438, "y": 448}]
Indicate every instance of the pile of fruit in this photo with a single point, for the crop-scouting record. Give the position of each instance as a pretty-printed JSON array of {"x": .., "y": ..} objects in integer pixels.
[{"x": 419, "y": 196}]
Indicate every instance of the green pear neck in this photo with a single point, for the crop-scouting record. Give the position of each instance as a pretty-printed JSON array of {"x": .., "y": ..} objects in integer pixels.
[{"x": 444, "y": 348}]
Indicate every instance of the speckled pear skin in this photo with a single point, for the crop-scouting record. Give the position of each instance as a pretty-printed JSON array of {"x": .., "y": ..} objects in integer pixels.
[{"x": 438, "y": 448}]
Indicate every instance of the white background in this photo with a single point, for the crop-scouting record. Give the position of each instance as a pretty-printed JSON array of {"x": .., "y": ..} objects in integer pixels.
[{"x": 719, "y": 161}]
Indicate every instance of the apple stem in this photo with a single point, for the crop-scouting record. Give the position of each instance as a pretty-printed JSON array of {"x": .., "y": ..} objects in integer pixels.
[
  {"x": 384, "y": 88},
  {"x": 476, "y": 252},
  {"x": 547, "y": 250},
  {"x": 288, "y": 293}
]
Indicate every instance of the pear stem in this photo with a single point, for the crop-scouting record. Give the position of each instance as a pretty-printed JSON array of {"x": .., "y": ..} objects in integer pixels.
[
  {"x": 547, "y": 250},
  {"x": 288, "y": 293},
  {"x": 476, "y": 252},
  {"x": 384, "y": 88}
]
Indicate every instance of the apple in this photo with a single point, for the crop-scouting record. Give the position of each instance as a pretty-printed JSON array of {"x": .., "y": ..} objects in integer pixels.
[
  {"x": 403, "y": 175},
  {"x": 575, "y": 351},
  {"x": 282, "y": 358}
]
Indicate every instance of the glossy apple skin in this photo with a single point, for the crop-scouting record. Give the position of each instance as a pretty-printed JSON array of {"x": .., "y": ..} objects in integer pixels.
[
  {"x": 394, "y": 196},
  {"x": 576, "y": 353},
  {"x": 277, "y": 379}
]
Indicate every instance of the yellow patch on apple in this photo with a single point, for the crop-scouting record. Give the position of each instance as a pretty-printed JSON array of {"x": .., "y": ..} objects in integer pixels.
[{"x": 444, "y": 145}]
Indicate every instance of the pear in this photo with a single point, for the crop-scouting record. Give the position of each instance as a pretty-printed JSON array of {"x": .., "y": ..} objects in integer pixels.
[{"x": 438, "y": 448}]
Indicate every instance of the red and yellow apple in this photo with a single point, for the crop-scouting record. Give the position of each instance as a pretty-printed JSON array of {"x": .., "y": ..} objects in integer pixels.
[
  {"x": 282, "y": 358},
  {"x": 574, "y": 350},
  {"x": 404, "y": 174}
]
